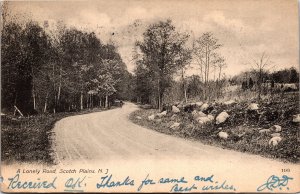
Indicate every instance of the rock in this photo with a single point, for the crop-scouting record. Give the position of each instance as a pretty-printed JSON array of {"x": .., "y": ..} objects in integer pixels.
[
  {"x": 162, "y": 114},
  {"x": 158, "y": 120},
  {"x": 151, "y": 117},
  {"x": 253, "y": 106},
  {"x": 194, "y": 113},
  {"x": 138, "y": 117},
  {"x": 264, "y": 131},
  {"x": 274, "y": 141},
  {"x": 210, "y": 117},
  {"x": 221, "y": 118},
  {"x": 296, "y": 118},
  {"x": 223, "y": 135},
  {"x": 276, "y": 128},
  {"x": 201, "y": 114},
  {"x": 175, "y": 125},
  {"x": 181, "y": 105},
  {"x": 204, "y": 107},
  {"x": 229, "y": 102},
  {"x": 203, "y": 120},
  {"x": 175, "y": 109},
  {"x": 289, "y": 87},
  {"x": 173, "y": 117},
  {"x": 199, "y": 104},
  {"x": 275, "y": 134}
]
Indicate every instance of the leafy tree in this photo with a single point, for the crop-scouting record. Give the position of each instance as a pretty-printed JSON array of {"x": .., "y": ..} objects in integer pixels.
[
  {"x": 161, "y": 51},
  {"x": 24, "y": 52}
]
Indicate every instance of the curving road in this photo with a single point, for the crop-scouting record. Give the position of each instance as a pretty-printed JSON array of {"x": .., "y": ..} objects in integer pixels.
[
  {"x": 111, "y": 135},
  {"x": 109, "y": 139}
]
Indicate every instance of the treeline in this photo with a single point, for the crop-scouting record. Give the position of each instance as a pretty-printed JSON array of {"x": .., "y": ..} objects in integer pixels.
[
  {"x": 65, "y": 69},
  {"x": 287, "y": 75}
]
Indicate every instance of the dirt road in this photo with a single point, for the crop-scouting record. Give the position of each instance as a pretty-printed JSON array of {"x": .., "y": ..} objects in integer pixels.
[
  {"x": 109, "y": 139},
  {"x": 111, "y": 135}
]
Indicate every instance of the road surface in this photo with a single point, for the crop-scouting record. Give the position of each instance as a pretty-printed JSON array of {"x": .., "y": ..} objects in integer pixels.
[
  {"x": 110, "y": 135},
  {"x": 110, "y": 140}
]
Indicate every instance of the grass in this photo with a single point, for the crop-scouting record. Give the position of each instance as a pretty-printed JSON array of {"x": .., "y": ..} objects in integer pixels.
[
  {"x": 28, "y": 139},
  {"x": 242, "y": 126}
]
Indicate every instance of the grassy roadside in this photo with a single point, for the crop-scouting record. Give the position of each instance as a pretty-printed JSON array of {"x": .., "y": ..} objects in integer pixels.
[
  {"x": 243, "y": 129},
  {"x": 28, "y": 139}
]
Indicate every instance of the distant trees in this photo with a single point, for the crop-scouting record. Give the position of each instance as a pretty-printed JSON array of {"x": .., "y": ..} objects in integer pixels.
[
  {"x": 162, "y": 53},
  {"x": 286, "y": 76},
  {"x": 68, "y": 69}
]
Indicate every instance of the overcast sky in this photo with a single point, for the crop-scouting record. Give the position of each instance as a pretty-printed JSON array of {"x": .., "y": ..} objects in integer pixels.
[{"x": 246, "y": 28}]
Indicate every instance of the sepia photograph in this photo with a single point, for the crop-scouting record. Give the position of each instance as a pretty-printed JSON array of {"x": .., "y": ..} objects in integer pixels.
[{"x": 145, "y": 96}]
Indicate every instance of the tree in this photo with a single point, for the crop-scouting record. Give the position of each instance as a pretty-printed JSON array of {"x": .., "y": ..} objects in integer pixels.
[
  {"x": 260, "y": 66},
  {"x": 24, "y": 51},
  {"x": 205, "y": 50},
  {"x": 161, "y": 51},
  {"x": 207, "y": 56},
  {"x": 185, "y": 57}
]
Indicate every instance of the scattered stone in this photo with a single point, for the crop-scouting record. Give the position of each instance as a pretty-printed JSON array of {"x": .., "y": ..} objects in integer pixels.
[
  {"x": 223, "y": 135},
  {"x": 264, "y": 131},
  {"x": 229, "y": 102},
  {"x": 151, "y": 117},
  {"x": 204, "y": 107},
  {"x": 201, "y": 114},
  {"x": 173, "y": 117},
  {"x": 275, "y": 134},
  {"x": 221, "y": 118},
  {"x": 162, "y": 114},
  {"x": 203, "y": 120},
  {"x": 253, "y": 106},
  {"x": 138, "y": 117},
  {"x": 296, "y": 118},
  {"x": 210, "y": 117},
  {"x": 175, "y": 125},
  {"x": 175, "y": 109},
  {"x": 274, "y": 141},
  {"x": 199, "y": 104},
  {"x": 158, "y": 120},
  {"x": 194, "y": 113},
  {"x": 276, "y": 128}
]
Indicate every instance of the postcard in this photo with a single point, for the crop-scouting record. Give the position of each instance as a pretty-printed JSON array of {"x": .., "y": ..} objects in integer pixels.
[{"x": 136, "y": 96}]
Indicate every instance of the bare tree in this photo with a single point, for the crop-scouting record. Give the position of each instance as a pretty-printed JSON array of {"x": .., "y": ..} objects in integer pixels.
[
  {"x": 261, "y": 65},
  {"x": 205, "y": 51}
]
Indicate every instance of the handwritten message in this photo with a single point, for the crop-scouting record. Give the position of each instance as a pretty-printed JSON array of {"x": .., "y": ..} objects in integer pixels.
[{"x": 105, "y": 181}]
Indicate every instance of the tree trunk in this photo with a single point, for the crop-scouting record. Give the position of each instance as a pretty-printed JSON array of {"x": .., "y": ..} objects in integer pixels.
[
  {"x": 81, "y": 100},
  {"x": 34, "y": 98},
  {"x": 106, "y": 101},
  {"x": 46, "y": 102},
  {"x": 59, "y": 85},
  {"x": 87, "y": 101},
  {"x": 185, "y": 95}
]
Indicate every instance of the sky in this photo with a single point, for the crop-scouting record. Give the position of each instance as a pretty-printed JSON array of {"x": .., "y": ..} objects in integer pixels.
[{"x": 245, "y": 28}]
